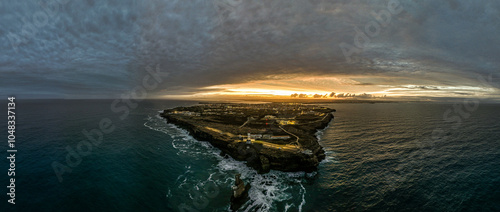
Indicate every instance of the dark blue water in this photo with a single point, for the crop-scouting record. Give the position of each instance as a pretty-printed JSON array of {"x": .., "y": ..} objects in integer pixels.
[{"x": 380, "y": 157}]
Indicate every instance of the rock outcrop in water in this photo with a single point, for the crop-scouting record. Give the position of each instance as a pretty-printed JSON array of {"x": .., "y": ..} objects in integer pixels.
[
  {"x": 240, "y": 193},
  {"x": 267, "y": 136}
]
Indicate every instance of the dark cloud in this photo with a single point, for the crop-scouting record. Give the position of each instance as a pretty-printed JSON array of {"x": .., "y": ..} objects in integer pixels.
[
  {"x": 96, "y": 49},
  {"x": 366, "y": 83},
  {"x": 422, "y": 87}
]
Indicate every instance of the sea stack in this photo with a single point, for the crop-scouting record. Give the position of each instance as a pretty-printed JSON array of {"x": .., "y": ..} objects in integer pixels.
[{"x": 240, "y": 193}]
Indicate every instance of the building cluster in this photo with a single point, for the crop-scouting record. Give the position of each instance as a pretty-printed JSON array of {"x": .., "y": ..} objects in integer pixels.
[
  {"x": 252, "y": 137},
  {"x": 186, "y": 113},
  {"x": 282, "y": 120},
  {"x": 277, "y": 107},
  {"x": 279, "y": 113},
  {"x": 265, "y": 136}
]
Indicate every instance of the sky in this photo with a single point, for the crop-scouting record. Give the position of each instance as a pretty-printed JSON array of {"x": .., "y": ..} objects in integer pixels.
[{"x": 420, "y": 50}]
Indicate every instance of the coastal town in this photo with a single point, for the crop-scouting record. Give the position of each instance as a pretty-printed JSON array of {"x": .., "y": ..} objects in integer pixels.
[
  {"x": 256, "y": 123},
  {"x": 270, "y": 130}
]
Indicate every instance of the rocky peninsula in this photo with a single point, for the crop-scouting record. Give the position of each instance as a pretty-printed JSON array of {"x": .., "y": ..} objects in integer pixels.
[{"x": 278, "y": 136}]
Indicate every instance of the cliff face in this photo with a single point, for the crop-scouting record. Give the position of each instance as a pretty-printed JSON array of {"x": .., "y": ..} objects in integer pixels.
[{"x": 261, "y": 158}]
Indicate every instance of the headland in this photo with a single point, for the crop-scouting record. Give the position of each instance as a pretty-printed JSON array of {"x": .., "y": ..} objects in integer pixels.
[{"x": 278, "y": 136}]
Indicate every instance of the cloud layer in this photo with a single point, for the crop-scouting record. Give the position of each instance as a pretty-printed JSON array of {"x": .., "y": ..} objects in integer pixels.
[{"x": 95, "y": 49}]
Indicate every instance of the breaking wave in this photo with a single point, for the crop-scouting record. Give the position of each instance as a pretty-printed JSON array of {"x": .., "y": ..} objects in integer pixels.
[{"x": 273, "y": 191}]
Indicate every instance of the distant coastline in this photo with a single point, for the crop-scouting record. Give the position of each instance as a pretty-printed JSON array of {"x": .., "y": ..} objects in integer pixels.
[{"x": 303, "y": 101}]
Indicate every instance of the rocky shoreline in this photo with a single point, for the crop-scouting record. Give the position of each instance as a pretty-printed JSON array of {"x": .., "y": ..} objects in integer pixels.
[{"x": 258, "y": 156}]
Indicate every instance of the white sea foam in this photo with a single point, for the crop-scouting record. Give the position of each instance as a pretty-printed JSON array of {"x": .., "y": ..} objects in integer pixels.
[
  {"x": 266, "y": 190},
  {"x": 169, "y": 193},
  {"x": 303, "y": 202},
  {"x": 329, "y": 154}
]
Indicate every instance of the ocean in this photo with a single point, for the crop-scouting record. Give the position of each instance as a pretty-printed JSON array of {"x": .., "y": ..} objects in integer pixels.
[{"x": 380, "y": 157}]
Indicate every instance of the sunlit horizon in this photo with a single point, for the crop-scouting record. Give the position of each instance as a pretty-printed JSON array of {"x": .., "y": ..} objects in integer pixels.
[{"x": 327, "y": 87}]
